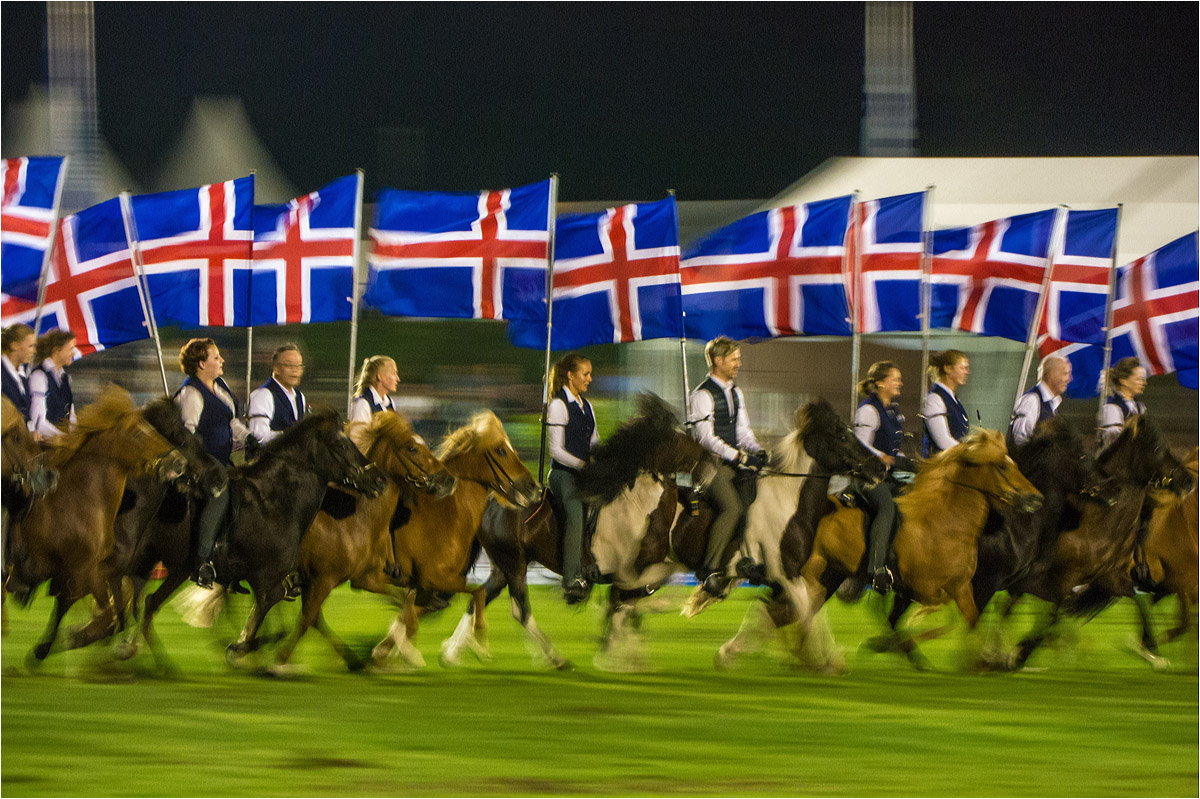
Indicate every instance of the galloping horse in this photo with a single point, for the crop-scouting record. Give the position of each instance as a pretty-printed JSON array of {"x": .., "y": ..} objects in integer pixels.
[
  {"x": 935, "y": 548},
  {"x": 1098, "y": 554},
  {"x": 435, "y": 548},
  {"x": 67, "y": 536},
  {"x": 512, "y": 537},
  {"x": 23, "y": 479},
  {"x": 357, "y": 546}
]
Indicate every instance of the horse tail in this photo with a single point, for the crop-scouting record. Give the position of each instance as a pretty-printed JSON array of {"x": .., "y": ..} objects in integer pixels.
[
  {"x": 1089, "y": 602},
  {"x": 200, "y": 607},
  {"x": 476, "y": 548}
]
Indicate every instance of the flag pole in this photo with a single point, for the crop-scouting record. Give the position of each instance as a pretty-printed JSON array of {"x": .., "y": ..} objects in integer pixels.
[
  {"x": 1056, "y": 242},
  {"x": 249, "y": 305},
  {"x": 1108, "y": 314},
  {"x": 855, "y": 300},
  {"x": 926, "y": 289},
  {"x": 355, "y": 293},
  {"x": 687, "y": 400},
  {"x": 551, "y": 223},
  {"x": 143, "y": 287},
  {"x": 42, "y": 278}
]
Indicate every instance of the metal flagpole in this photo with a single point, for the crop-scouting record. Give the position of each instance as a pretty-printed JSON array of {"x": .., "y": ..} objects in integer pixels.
[
  {"x": 41, "y": 295},
  {"x": 1108, "y": 314},
  {"x": 1056, "y": 239},
  {"x": 551, "y": 222},
  {"x": 687, "y": 399},
  {"x": 926, "y": 289},
  {"x": 249, "y": 305},
  {"x": 135, "y": 253},
  {"x": 356, "y": 293},
  {"x": 855, "y": 301}
]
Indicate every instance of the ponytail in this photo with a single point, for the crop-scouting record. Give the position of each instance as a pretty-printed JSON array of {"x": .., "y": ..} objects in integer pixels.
[
  {"x": 942, "y": 362},
  {"x": 565, "y": 365},
  {"x": 878, "y": 371}
]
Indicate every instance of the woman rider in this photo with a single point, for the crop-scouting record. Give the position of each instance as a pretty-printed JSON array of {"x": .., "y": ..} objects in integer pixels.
[
  {"x": 209, "y": 410},
  {"x": 51, "y": 404},
  {"x": 879, "y": 425},
  {"x": 377, "y": 379},
  {"x": 1128, "y": 380},
  {"x": 17, "y": 343},
  {"x": 946, "y": 419},
  {"x": 572, "y": 434}
]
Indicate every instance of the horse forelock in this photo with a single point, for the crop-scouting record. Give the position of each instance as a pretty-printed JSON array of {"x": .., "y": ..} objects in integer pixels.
[
  {"x": 383, "y": 428},
  {"x": 483, "y": 432},
  {"x": 976, "y": 447}
]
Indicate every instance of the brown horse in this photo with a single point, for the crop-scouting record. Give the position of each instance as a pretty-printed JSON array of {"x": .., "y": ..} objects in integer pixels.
[
  {"x": 67, "y": 535},
  {"x": 435, "y": 548},
  {"x": 23, "y": 479},
  {"x": 936, "y": 545},
  {"x": 357, "y": 546}
]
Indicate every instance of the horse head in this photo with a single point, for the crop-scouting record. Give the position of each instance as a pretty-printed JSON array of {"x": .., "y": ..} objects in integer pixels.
[
  {"x": 331, "y": 452},
  {"x": 1055, "y": 458},
  {"x": 981, "y": 461},
  {"x": 204, "y": 476},
  {"x": 389, "y": 442},
  {"x": 22, "y": 460},
  {"x": 1140, "y": 455},
  {"x": 832, "y": 443},
  {"x": 481, "y": 452}
]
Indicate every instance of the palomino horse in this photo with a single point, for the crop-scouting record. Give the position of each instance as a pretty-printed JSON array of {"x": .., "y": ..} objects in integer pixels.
[
  {"x": 435, "y": 548},
  {"x": 357, "y": 547},
  {"x": 512, "y": 537},
  {"x": 1090, "y": 565},
  {"x": 941, "y": 518},
  {"x": 67, "y": 536}
]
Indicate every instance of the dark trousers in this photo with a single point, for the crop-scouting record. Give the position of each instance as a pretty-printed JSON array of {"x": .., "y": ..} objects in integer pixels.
[
  {"x": 209, "y": 521},
  {"x": 882, "y": 508},
  {"x": 725, "y": 495},
  {"x": 562, "y": 483}
]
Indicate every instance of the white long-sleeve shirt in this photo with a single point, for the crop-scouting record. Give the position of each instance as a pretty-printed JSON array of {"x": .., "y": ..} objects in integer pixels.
[
  {"x": 1027, "y": 410},
  {"x": 701, "y": 418},
  {"x": 1110, "y": 420},
  {"x": 262, "y": 410},
  {"x": 38, "y": 386},
  {"x": 935, "y": 417},
  {"x": 191, "y": 405},
  {"x": 866, "y": 424},
  {"x": 556, "y": 433},
  {"x": 360, "y": 409}
]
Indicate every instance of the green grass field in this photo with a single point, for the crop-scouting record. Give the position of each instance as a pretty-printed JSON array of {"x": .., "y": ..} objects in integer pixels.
[{"x": 1087, "y": 719}]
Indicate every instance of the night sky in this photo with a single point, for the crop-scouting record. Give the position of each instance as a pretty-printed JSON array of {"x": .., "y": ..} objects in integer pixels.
[{"x": 717, "y": 101}]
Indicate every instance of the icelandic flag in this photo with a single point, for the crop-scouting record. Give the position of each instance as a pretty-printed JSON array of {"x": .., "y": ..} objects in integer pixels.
[
  {"x": 1156, "y": 319},
  {"x": 616, "y": 279},
  {"x": 1079, "y": 278},
  {"x": 91, "y": 288},
  {"x": 304, "y": 257},
  {"x": 774, "y": 273},
  {"x": 890, "y": 245},
  {"x": 27, "y": 219},
  {"x": 196, "y": 250},
  {"x": 461, "y": 256},
  {"x": 987, "y": 279}
]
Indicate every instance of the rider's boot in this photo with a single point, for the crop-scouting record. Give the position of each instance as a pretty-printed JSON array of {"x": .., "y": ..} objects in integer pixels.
[
  {"x": 576, "y": 591},
  {"x": 206, "y": 574}
]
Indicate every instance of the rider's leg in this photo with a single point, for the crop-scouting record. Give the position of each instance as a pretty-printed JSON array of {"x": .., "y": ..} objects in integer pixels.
[
  {"x": 562, "y": 483},
  {"x": 879, "y": 538},
  {"x": 725, "y": 495},
  {"x": 208, "y": 524}
]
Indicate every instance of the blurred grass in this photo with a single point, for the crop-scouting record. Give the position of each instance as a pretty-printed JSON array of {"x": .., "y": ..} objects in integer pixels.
[{"x": 1089, "y": 719}]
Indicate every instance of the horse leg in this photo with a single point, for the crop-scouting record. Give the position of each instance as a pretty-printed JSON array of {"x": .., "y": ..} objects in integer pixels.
[
  {"x": 1147, "y": 648},
  {"x": 891, "y": 641},
  {"x": 462, "y": 637},
  {"x": 172, "y": 581},
  {"x": 353, "y": 661},
  {"x": 1033, "y": 640},
  {"x": 397, "y": 642},
  {"x": 62, "y": 603},
  {"x": 1184, "y": 619},
  {"x": 518, "y": 593},
  {"x": 315, "y": 594},
  {"x": 102, "y": 623},
  {"x": 265, "y": 597},
  {"x": 756, "y": 625}
]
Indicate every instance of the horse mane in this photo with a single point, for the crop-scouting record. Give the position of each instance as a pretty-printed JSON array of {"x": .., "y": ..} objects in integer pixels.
[
  {"x": 976, "y": 447},
  {"x": 484, "y": 431},
  {"x": 314, "y": 417},
  {"x": 616, "y": 462},
  {"x": 382, "y": 426},
  {"x": 12, "y": 418},
  {"x": 1039, "y": 455},
  {"x": 113, "y": 405}
]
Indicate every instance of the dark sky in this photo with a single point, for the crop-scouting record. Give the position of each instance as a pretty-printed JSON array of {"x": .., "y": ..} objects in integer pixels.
[{"x": 717, "y": 101}]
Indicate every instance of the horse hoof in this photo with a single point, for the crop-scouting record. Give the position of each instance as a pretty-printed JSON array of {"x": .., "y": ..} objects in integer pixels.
[
  {"x": 234, "y": 657},
  {"x": 125, "y": 651},
  {"x": 723, "y": 660},
  {"x": 878, "y": 644},
  {"x": 563, "y": 665}
]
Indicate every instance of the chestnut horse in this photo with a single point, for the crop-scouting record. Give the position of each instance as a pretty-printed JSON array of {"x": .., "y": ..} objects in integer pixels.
[
  {"x": 23, "y": 479},
  {"x": 935, "y": 549},
  {"x": 435, "y": 548},
  {"x": 67, "y": 536},
  {"x": 357, "y": 545}
]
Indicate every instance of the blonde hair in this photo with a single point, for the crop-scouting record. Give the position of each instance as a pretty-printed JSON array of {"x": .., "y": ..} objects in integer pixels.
[
  {"x": 719, "y": 347},
  {"x": 564, "y": 367},
  {"x": 875, "y": 375},
  {"x": 370, "y": 371},
  {"x": 942, "y": 362}
]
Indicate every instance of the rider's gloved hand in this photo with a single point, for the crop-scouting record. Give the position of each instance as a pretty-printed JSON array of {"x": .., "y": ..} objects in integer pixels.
[{"x": 752, "y": 461}]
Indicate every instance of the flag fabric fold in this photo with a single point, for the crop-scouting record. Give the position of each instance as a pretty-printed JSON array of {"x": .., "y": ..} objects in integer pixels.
[
  {"x": 196, "y": 248},
  {"x": 1079, "y": 278},
  {"x": 27, "y": 219},
  {"x": 462, "y": 256},
  {"x": 303, "y": 269},
  {"x": 616, "y": 279},
  {"x": 781, "y": 272},
  {"x": 890, "y": 245}
]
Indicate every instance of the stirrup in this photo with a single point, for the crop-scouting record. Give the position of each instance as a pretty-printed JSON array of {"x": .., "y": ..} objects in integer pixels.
[{"x": 206, "y": 575}]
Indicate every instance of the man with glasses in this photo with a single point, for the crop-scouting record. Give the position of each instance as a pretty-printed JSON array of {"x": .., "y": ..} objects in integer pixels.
[{"x": 278, "y": 403}]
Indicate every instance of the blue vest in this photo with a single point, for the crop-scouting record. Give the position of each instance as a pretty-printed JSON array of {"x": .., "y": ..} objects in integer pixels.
[
  {"x": 58, "y": 398},
  {"x": 213, "y": 428},
  {"x": 890, "y": 434},
  {"x": 581, "y": 423},
  {"x": 1045, "y": 411},
  {"x": 17, "y": 392},
  {"x": 284, "y": 417},
  {"x": 375, "y": 407},
  {"x": 956, "y": 418},
  {"x": 724, "y": 417},
  {"x": 1119, "y": 401}
]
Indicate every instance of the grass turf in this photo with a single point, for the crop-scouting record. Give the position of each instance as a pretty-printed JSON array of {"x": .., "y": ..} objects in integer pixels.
[{"x": 1088, "y": 719}]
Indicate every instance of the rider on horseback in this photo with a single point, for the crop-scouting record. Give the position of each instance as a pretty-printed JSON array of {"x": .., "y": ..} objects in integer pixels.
[
  {"x": 722, "y": 426},
  {"x": 1041, "y": 401},
  {"x": 278, "y": 403},
  {"x": 572, "y": 433},
  {"x": 1127, "y": 379},
  {"x": 17, "y": 346}
]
